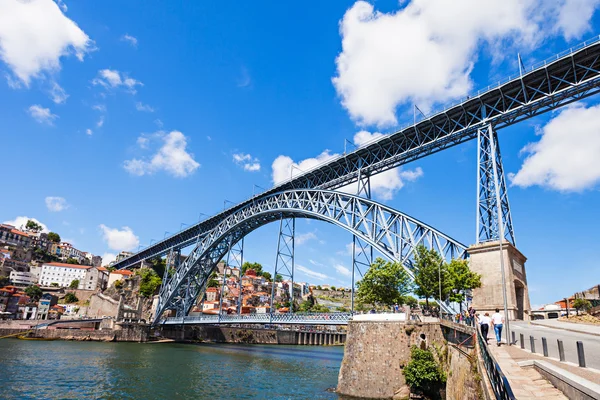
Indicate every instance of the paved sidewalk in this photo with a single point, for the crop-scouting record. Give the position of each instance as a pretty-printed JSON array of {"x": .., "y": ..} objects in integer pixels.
[
  {"x": 569, "y": 326},
  {"x": 519, "y": 355},
  {"x": 526, "y": 383}
]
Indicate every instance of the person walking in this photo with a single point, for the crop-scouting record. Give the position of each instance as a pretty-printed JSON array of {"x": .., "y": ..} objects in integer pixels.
[
  {"x": 498, "y": 322},
  {"x": 472, "y": 316},
  {"x": 484, "y": 323}
]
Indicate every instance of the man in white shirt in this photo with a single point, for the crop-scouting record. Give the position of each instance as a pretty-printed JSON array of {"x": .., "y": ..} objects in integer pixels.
[{"x": 498, "y": 322}]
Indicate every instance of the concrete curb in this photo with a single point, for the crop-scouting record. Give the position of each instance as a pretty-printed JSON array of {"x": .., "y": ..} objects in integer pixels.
[{"x": 564, "y": 329}]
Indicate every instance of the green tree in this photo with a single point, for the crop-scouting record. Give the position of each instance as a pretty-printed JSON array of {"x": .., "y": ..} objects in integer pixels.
[
  {"x": 54, "y": 237},
  {"x": 54, "y": 284},
  {"x": 424, "y": 373},
  {"x": 319, "y": 287},
  {"x": 410, "y": 301},
  {"x": 4, "y": 281},
  {"x": 430, "y": 266},
  {"x": 213, "y": 283},
  {"x": 33, "y": 226},
  {"x": 71, "y": 260},
  {"x": 267, "y": 276},
  {"x": 461, "y": 279},
  {"x": 34, "y": 292},
  {"x": 118, "y": 284},
  {"x": 71, "y": 298},
  {"x": 385, "y": 283},
  {"x": 252, "y": 265},
  {"x": 150, "y": 282},
  {"x": 159, "y": 265},
  {"x": 278, "y": 278},
  {"x": 74, "y": 284},
  {"x": 582, "y": 304},
  {"x": 333, "y": 288}
]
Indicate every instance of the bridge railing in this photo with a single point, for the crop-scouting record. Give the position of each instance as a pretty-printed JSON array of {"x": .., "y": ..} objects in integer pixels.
[
  {"x": 295, "y": 318},
  {"x": 498, "y": 380}
]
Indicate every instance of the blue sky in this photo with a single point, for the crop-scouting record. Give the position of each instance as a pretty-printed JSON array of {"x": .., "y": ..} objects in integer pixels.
[{"x": 119, "y": 121}]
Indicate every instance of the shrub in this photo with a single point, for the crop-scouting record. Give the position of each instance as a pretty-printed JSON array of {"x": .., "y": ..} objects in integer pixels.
[
  {"x": 74, "y": 284},
  {"x": 118, "y": 284},
  {"x": 424, "y": 373},
  {"x": 71, "y": 298},
  {"x": 150, "y": 282}
]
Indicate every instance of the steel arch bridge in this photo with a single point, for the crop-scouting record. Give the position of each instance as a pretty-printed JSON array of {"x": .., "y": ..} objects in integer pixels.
[{"x": 393, "y": 233}]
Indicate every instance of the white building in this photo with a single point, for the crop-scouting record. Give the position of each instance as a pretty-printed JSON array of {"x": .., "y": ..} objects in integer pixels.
[
  {"x": 118, "y": 275},
  {"x": 22, "y": 278},
  {"x": 89, "y": 277}
]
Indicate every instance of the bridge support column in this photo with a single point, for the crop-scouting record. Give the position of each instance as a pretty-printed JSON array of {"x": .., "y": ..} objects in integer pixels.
[
  {"x": 284, "y": 262},
  {"x": 235, "y": 259},
  {"x": 362, "y": 252},
  {"x": 494, "y": 256}
]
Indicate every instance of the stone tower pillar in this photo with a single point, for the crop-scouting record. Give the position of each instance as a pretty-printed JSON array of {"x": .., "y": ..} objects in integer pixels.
[{"x": 485, "y": 260}]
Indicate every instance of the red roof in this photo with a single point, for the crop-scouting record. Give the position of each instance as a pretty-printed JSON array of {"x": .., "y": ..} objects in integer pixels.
[
  {"x": 102, "y": 269},
  {"x": 123, "y": 272},
  {"x": 55, "y": 264}
]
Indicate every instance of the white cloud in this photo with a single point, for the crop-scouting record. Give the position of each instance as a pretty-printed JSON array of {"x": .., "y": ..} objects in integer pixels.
[
  {"x": 171, "y": 157},
  {"x": 284, "y": 167},
  {"x": 158, "y": 123},
  {"x": 41, "y": 114},
  {"x": 208, "y": 138},
  {"x": 20, "y": 223},
  {"x": 305, "y": 237},
  {"x": 62, "y": 5},
  {"x": 119, "y": 240},
  {"x": 574, "y": 17},
  {"x": 100, "y": 122},
  {"x": 107, "y": 258},
  {"x": 347, "y": 250},
  {"x": 313, "y": 274},
  {"x": 143, "y": 107},
  {"x": 130, "y": 39},
  {"x": 99, "y": 107},
  {"x": 34, "y": 35},
  {"x": 56, "y": 204},
  {"x": 57, "y": 93},
  {"x": 88, "y": 132},
  {"x": 383, "y": 185},
  {"x": 247, "y": 162},
  {"x": 424, "y": 53},
  {"x": 111, "y": 78},
  {"x": 566, "y": 158},
  {"x": 244, "y": 80},
  {"x": 342, "y": 270}
]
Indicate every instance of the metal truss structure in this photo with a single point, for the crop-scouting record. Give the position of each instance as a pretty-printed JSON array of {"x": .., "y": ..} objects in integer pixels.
[
  {"x": 569, "y": 77},
  {"x": 284, "y": 261},
  {"x": 288, "y": 319},
  {"x": 491, "y": 190},
  {"x": 362, "y": 253},
  {"x": 392, "y": 233}
]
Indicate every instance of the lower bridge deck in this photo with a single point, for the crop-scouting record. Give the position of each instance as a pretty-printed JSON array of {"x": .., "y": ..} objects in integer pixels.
[{"x": 288, "y": 319}]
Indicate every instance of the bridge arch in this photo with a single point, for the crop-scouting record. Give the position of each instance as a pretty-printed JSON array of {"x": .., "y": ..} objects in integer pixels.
[{"x": 393, "y": 233}]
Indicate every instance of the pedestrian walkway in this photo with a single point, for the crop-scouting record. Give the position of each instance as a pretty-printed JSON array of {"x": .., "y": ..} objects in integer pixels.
[
  {"x": 526, "y": 383},
  {"x": 569, "y": 326}
]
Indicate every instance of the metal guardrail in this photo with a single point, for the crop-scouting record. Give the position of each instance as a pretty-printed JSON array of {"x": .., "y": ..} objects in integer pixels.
[
  {"x": 296, "y": 318},
  {"x": 500, "y": 384}
]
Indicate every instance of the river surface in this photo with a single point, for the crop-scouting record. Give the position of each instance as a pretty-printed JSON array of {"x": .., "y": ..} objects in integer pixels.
[{"x": 91, "y": 370}]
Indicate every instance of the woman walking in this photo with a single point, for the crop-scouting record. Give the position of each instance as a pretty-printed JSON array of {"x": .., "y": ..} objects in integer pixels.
[
  {"x": 498, "y": 321},
  {"x": 484, "y": 323}
]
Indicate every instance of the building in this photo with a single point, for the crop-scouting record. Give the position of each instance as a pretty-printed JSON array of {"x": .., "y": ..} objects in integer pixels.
[
  {"x": 65, "y": 250},
  {"x": 94, "y": 261},
  {"x": 9, "y": 235},
  {"x": 22, "y": 278},
  {"x": 46, "y": 302},
  {"x": 212, "y": 294},
  {"x": 90, "y": 278},
  {"x": 123, "y": 255},
  {"x": 118, "y": 275}
]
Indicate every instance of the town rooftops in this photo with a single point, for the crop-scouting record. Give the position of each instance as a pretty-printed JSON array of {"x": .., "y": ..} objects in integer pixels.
[
  {"x": 63, "y": 265},
  {"x": 123, "y": 272}
]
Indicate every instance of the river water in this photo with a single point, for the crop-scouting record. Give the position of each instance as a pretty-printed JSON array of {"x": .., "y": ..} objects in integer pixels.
[{"x": 91, "y": 370}]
